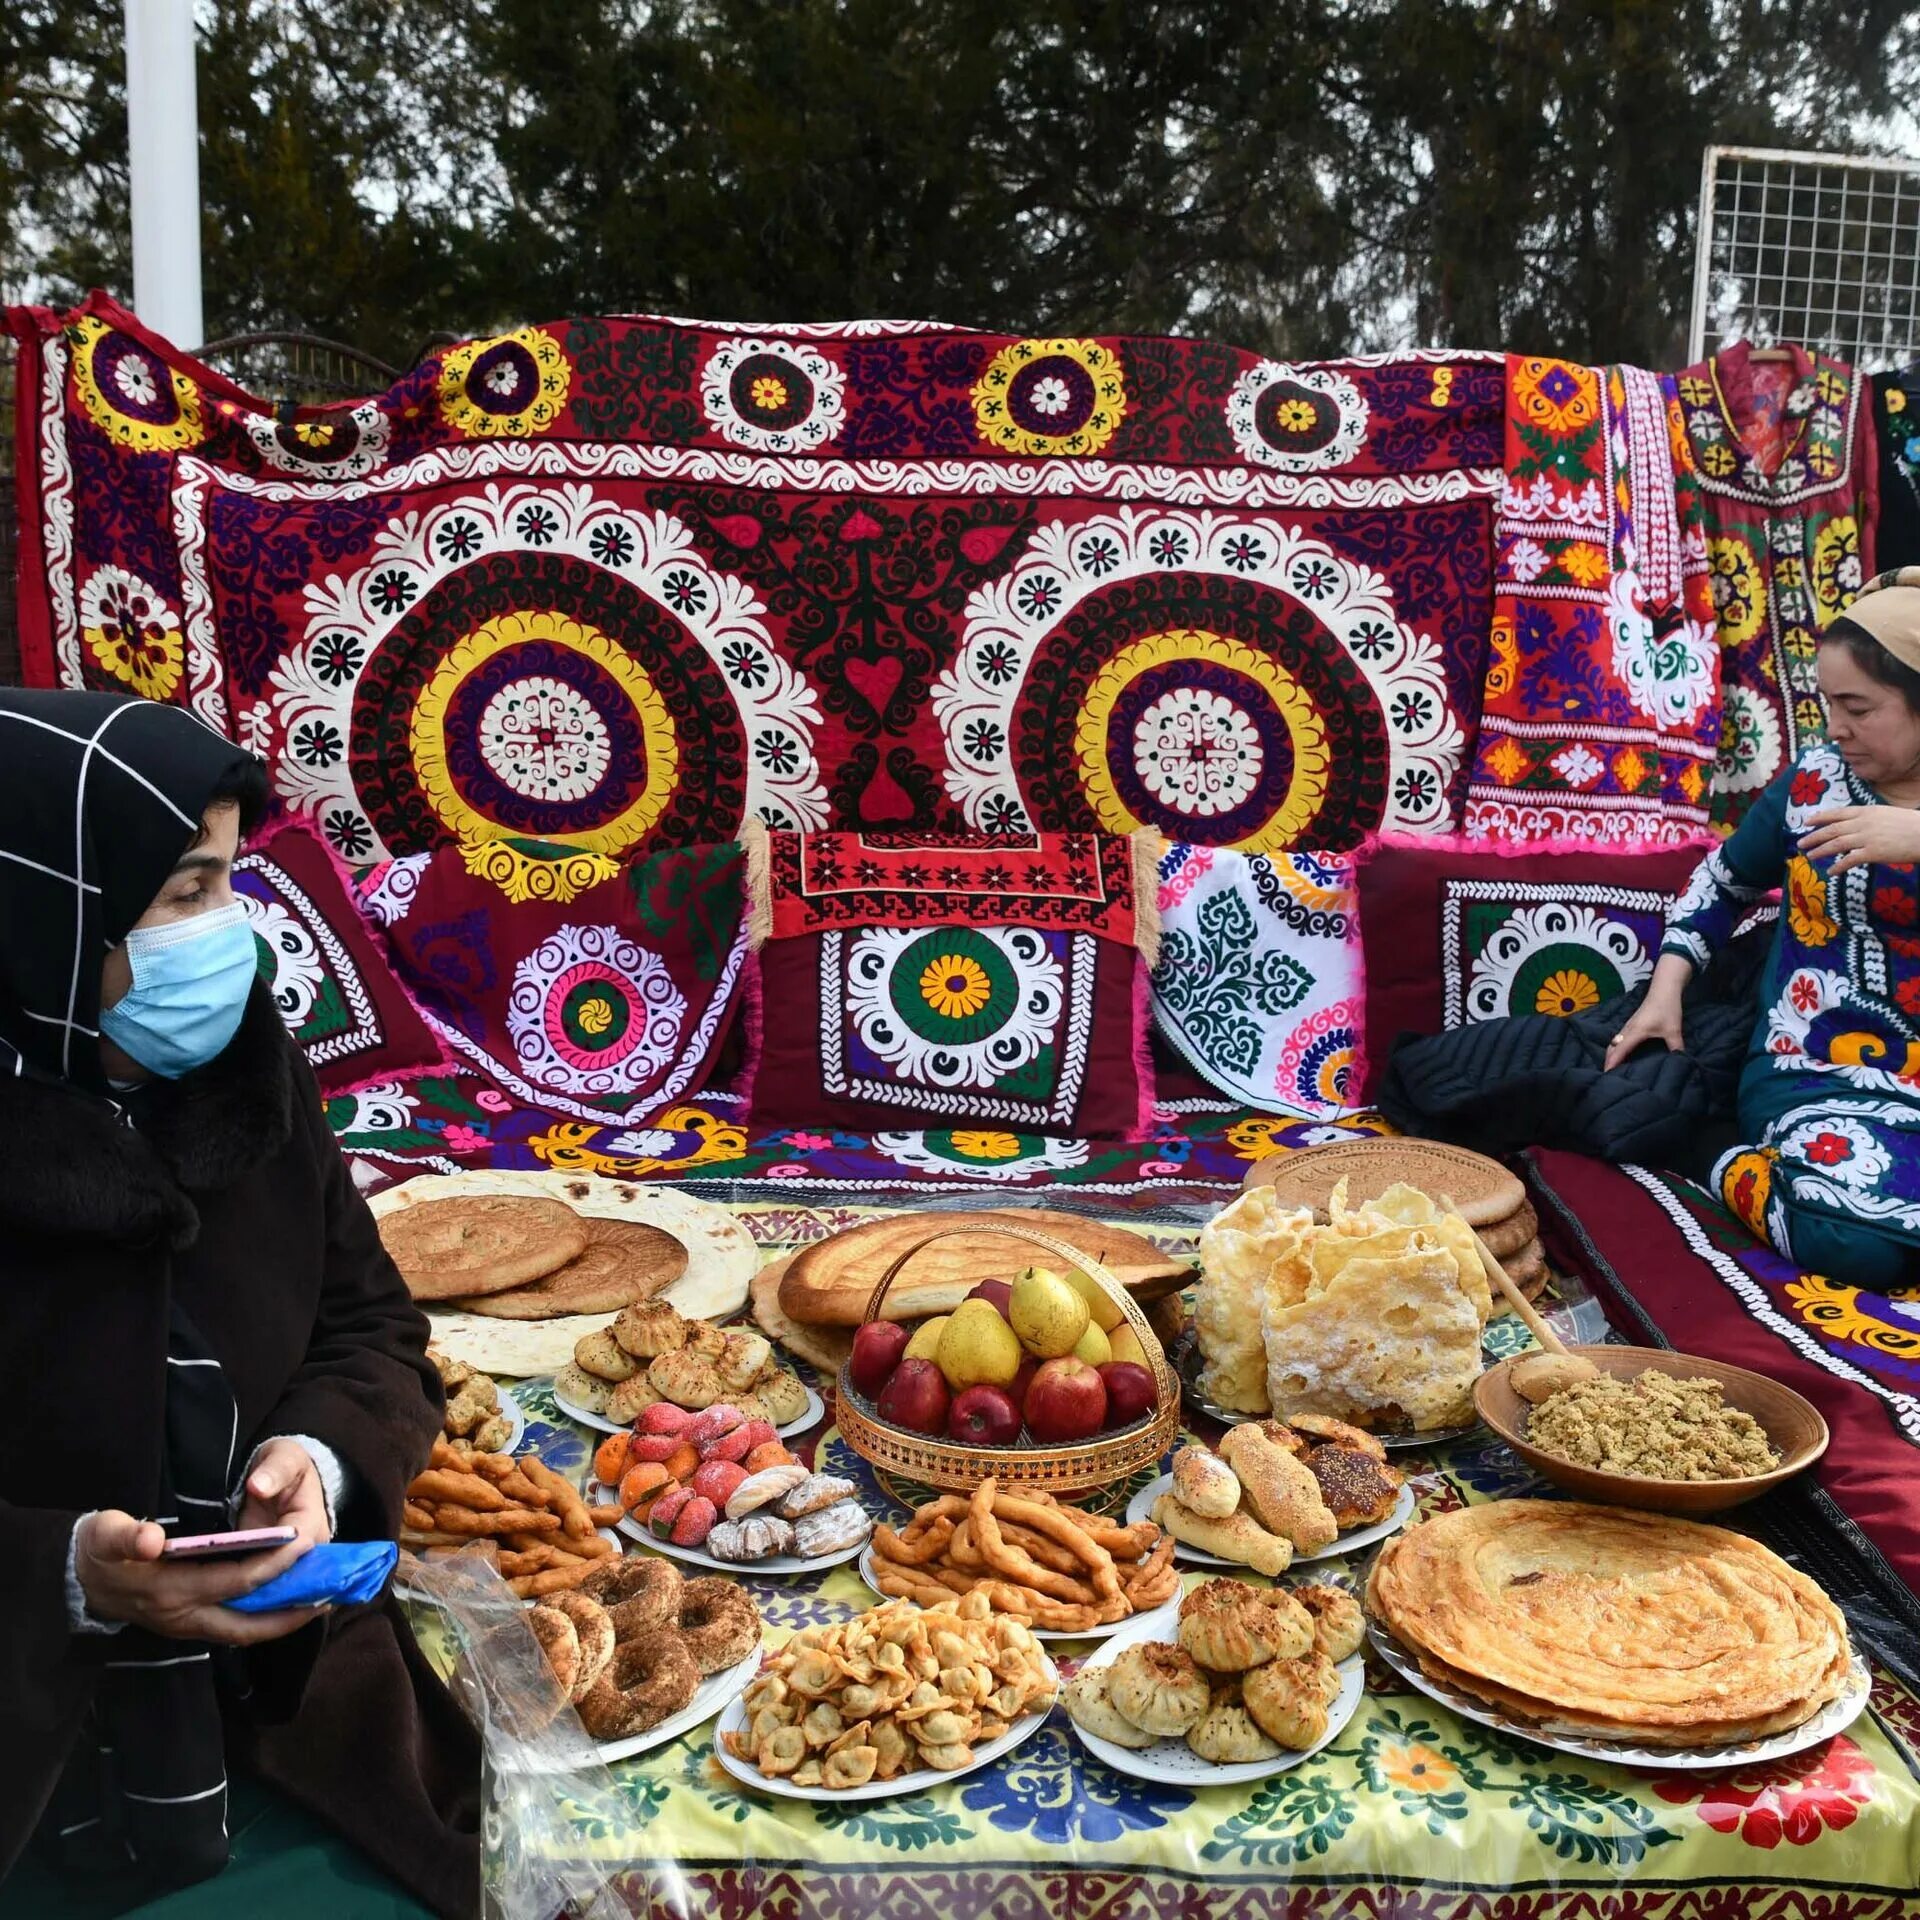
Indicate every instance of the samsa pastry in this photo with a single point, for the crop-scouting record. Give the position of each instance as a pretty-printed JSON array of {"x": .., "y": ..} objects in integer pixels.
[
  {"x": 1339, "y": 1626},
  {"x": 1088, "y": 1706},
  {"x": 1226, "y": 1733},
  {"x": 1159, "y": 1688},
  {"x": 1239, "y": 1249},
  {"x": 1284, "y": 1699}
]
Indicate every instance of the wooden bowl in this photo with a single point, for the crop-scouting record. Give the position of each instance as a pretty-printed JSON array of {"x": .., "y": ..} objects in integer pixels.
[{"x": 1793, "y": 1424}]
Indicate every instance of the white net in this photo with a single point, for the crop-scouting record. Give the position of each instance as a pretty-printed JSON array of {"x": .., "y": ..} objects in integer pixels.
[{"x": 1817, "y": 249}]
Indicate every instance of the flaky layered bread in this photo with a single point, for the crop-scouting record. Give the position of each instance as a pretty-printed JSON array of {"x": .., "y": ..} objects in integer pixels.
[
  {"x": 1239, "y": 1251},
  {"x": 1612, "y": 1624}
]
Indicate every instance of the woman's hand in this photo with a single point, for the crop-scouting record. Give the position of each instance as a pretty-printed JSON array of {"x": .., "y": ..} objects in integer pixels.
[
  {"x": 124, "y": 1578},
  {"x": 283, "y": 1490},
  {"x": 1888, "y": 836},
  {"x": 1658, "y": 1016}
]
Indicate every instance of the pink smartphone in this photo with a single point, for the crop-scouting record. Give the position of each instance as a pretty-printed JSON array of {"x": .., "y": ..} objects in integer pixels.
[{"x": 228, "y": 1546}]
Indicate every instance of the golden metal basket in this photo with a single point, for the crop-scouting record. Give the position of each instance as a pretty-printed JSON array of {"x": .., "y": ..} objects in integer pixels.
[{"x": 1073, "y": 1468}]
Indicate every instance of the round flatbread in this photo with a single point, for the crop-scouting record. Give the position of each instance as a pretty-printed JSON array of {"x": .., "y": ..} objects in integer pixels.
[
  {"x": 1511, "y": 1234},
  {"x": 1482, "y": 1189},
  {"x": 625, "y": 1262},
  {"x": 828, "y": 1348},
  {"x": 480, "y": 1244}
]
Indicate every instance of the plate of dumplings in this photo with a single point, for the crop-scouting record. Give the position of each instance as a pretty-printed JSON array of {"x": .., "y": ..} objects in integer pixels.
[{"x": 1254, "y": 1681}]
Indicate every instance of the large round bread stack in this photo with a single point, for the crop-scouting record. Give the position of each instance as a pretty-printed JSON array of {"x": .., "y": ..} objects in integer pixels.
[
  {"x": 1607, "y": 1623},
  {"x": 1485, "y": 1194}
]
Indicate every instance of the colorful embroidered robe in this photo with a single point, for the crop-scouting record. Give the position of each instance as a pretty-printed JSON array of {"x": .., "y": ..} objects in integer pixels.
[{"x": 1787, "y": 481}]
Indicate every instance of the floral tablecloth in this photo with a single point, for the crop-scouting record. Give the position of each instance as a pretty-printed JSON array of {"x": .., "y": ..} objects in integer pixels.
[{"x": 1409, "y": 1812}]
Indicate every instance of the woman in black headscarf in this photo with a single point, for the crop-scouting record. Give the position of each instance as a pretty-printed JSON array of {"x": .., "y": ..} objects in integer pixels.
[{"x": 199, "y": 1329}]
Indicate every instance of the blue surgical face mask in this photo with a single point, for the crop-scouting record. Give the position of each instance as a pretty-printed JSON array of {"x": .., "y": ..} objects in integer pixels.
[{"x": 190, "y": 986}]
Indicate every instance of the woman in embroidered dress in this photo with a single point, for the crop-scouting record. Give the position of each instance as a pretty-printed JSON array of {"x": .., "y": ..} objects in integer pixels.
[
  {"x": 1829, "y": 1100},
  {"x": 199, "y": 1329}
]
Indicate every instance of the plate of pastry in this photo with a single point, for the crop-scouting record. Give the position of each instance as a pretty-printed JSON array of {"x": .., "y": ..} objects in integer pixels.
[
  {"x": 780, "y": 1520},
  {"x": 1104, "y": 1631},
  {"x": 1278, "y": 1494},
  {"x": 652, "y": 1353},
  {"x": 643, "y": 1655},
  {"x": 1244, "y": 1682},
  {"x": 810, "y": 1727}
]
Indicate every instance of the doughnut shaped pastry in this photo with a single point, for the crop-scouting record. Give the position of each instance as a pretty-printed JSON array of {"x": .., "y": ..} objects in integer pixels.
[
  {"x": 593, "y": 1631},
  {"x": 560, "y": 1642},
  {"x": 1204, "y": 1483},
  {"x": 646, "y": 1681},
  {"x": 719, "y": 1623},
  {"x": 640, "y": 1591},
  {"x": 1159, "y": 1688}
]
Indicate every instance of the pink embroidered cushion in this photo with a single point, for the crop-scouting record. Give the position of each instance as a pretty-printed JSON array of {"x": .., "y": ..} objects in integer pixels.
[
  {"x": 350, "y": 1016},
  {"x": 599, "y": 991},
  {"x": 910, "y": 982}
]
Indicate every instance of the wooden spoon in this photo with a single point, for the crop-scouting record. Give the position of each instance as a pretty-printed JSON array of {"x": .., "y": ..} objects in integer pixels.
[{"x": 1516, "y": 1299}]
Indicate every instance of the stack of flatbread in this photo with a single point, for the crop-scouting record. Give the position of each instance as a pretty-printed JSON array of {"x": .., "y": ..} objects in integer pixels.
[
  {"x": 1603, "y": 1623},
  {"x": 1373, "y": 1315},
  {"x": 515, "y": 1257}
]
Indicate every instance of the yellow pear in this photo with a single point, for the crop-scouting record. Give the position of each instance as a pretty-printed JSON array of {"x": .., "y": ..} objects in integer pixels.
[
  {"x": 977, "y": 1347},
  {"x": 1047, "y": 1313},
  {"x": 925, "y": 1343},
  {"x": 1104, "y": 1308},
  {"x": 1092, "y": 1347},
  {"x": 1126, "y": 1346}
]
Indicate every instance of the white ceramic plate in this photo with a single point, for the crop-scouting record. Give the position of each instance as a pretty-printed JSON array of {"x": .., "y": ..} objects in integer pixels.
[
  {"x": 1140, "y": 1507},
  {"x": 1833, "y": 1718},
  {"x": 815, "y": 1408},
  {"x": 715, "y": 1693},
  {"x": 1166, "y": 1613},
  {"x": 1174, "y": 1763},
  {"x": 773, "y": 1564},
  {"x": 1187, "y": 1364},
  {"x": 921, "y": 1780}
]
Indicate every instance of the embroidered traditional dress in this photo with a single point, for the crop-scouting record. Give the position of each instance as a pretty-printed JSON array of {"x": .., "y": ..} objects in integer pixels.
[
  {"x": 1787, "y": 480},
  {"x": 1896, "y": 426},
  {"x": 1830, "y": 1095}
]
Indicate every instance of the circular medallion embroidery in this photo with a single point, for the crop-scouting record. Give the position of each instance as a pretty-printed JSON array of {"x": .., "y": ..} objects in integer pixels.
[
  {"x": 1837, "y": 1146},
  {"x": 1051, "y": 397},
  {"x": 1750, "y": 751},
  {"x": 1739, "y": 592},
  {"x": 289, "y": 958},
  {"x": 1298, "y": 419},
  {"x": 132, "y": 633},
  {"x": 532, "y": 664},
  {"x": 957, "y": 1006},
  {"x": 1315, "y": 1067},
  {"x": 1836, "y": 565},
  {"x": 130, "y": 393},
  {"x": 509, "y": 387},
  {"x": 1228, "y": 681},
  {"x": 592, "y": 1013},
  {"x": 346, "y": 443},
  {"x": 772, "y": 395},
  {"x": 1555, "y": 959}
]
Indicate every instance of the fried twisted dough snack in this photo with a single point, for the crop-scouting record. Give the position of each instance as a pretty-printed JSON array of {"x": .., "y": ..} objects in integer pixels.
[
  {"x": 982, "y": 1514},
  {"x": 906, "y": 1550}
]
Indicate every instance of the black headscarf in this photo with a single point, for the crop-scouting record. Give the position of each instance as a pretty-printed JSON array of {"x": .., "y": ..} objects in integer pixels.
[{"x": 99, "y": 796}]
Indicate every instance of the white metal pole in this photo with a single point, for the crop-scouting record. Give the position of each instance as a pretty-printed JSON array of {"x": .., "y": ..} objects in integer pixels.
[{"x": 163, "y": 150}]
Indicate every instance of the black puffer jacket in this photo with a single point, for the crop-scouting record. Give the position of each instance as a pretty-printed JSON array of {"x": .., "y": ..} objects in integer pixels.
[{"x": 1540, "y": 1080}]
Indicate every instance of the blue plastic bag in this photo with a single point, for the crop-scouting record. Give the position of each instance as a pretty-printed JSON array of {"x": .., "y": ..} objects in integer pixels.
[{"x": 341, "y": 1574}]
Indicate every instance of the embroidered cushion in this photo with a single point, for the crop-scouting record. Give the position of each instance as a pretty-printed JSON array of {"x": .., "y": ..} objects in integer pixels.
[
  {"x": 1455, "y": 931},
  {"x": 604, "y": 1000},
  {"x": 1258, "y": 983},
  {"x": 332, "y": 984},
  {"x": 909, "y": 982}
]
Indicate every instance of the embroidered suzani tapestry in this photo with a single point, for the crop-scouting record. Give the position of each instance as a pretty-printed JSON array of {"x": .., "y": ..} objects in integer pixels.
[{"x": 617, "y": 584}]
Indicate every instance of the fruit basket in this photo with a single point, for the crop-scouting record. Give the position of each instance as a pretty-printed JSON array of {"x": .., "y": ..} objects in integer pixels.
[{"x": 1060, "y": 1467}]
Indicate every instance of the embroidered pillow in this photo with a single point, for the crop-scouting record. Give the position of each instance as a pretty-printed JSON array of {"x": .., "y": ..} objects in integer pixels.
[
  {"x": 1455, "y": 931},
  {"x": 911, "y": 982},
  {"x": 1258, "y": 982},
  {"x": 339, "y": 998},
  {"x": 604, "y": 1000}
]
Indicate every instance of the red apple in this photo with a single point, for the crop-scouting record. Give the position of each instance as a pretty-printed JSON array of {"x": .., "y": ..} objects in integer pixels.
[
  {"x": 984, "y": 1416},
  {"x": 1023, "y": 1379},
  {"x": 1067, "y": 1401},
  {"x": 1131, "y": 1394},
  {"x": 877, "y": 1348},
  {"x": 999, "y": 1292},
  {"x": 915, "y": 1398}
]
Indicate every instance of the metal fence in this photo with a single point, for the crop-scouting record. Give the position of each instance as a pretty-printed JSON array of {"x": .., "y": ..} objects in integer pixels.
[{"x": 1815, "y": 249}]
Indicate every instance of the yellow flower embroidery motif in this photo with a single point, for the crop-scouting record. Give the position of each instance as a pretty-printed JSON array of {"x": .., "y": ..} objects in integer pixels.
[
  {"x": 595, "y": 1015},
  {"x": 1557, "y": 395},
  {"x": 1583, "y": 562},
  {"x": 1835, "y": 1310},
  {"x": 1807, "y": 904},
  {"x": 1739, "y": 595},
  {"x": 987, "y": 1146},
  {"x": 769, "y": 392},
  {"x": 1629, "y": 768},
  {"x": 1896, "y": 400},
  {"x": 1695, "y": 391},
  {"x": 1296, "y": 416},
  {"x": 568, "y": 1145},
  {"x": 1566, "y": 992},
  {"x": 1507, "y": 761},
  {"x": 1415, "y": 1768},
  {"x": 956, "y": 987},
  {"x": 1836, "y": 565},
  {"x": 1718, "y": 460},
  {"x": 1504, "y": 668}
]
